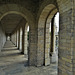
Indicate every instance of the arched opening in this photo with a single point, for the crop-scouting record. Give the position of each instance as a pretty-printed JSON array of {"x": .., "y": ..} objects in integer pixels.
[
  {"x": 50, "y": 36},
  {"x": 46, "y": 32},
  {"x": 13, "y": 25},
  {"x": 54, "y": 37},
  {"x": 43, "y": 32},
  {"x": 8, "y": 38},
  {"x": 27, "y": 15}
]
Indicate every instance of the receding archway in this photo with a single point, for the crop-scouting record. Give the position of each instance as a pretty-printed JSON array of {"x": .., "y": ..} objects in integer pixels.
[
  {"x": 49, "y": 37},
  {"x": 54, "y": 36},
  {"x": 19, "y": 11},
  {"x": 9, "y": 9}
]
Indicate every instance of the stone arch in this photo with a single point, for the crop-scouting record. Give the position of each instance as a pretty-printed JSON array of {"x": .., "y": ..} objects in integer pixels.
[
  {"x": 44, "y": 4},
  {"x": 16, "y": 9},
  {"x": 43, "y": 26},
  {"x": 57, "y": 3},
  {"x": 47, "y": 36}
]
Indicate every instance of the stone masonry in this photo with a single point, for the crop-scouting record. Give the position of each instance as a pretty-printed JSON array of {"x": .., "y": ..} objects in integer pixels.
[{"x": 16, "y": 15}]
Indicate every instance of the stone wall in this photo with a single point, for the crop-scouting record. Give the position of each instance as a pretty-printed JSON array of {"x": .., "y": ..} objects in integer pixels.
[
  {"x": 2, "y": 38},
  {"x": 65, "y": 38},
  {"x": 28, "y": 4},
  {"x": 73, "y": 37},
  {"x": 13, "y": 39},
  {"x": 38, "y": 48}
]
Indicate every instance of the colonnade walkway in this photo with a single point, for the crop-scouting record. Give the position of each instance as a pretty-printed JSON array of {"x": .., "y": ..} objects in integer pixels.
[{"x": 12, "y": 62}]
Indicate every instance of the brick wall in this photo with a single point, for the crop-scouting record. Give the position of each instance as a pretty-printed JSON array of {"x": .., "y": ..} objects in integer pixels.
[{"x": 65, "y": 38}]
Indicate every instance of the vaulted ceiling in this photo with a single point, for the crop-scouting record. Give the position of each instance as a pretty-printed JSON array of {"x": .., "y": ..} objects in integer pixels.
[{"x": 10, "y": 22}]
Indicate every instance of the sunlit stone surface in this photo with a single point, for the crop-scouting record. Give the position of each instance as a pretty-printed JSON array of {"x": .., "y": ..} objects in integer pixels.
[{"x": 12, "y": 62}]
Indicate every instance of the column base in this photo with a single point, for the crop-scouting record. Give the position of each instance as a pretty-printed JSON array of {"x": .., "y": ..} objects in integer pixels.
[{"x": 53, "y": 57}]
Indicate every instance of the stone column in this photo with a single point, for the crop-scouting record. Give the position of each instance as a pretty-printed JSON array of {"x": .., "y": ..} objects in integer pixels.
[
  {"x": 32, "y": 45},
  {"x": 41, "y": 48},
  {"x": 23, "y": 38},
  {"x": 73, "y": 36},
  {"x": 66, "y": 38},
  {"x": 10, "y": 37},
  {"x": 52, "y": 49},
  {"x": 18, "y": 38},
  {"x": 14, "y": 38},
  {"x": 52, "y": 36},
  {"x": 47, "y": 43}
]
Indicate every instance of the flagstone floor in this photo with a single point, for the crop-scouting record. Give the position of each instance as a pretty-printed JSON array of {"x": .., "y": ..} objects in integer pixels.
[{"x": 12, "y": 62}]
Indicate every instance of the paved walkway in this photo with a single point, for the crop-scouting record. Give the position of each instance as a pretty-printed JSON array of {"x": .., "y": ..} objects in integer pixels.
[{"x": 12, "y": 62}]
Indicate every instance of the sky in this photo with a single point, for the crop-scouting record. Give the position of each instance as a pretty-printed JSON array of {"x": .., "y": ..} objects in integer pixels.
[
  {"x": 57, "y": 21},
  {"x": 28, "y": 29}
]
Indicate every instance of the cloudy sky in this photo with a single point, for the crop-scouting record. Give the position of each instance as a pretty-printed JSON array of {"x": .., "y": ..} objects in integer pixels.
[{"x": 57, "y": 21}]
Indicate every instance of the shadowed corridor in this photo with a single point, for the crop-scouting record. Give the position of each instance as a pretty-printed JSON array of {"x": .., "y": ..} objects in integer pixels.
[{"x": 12, "y": 62}]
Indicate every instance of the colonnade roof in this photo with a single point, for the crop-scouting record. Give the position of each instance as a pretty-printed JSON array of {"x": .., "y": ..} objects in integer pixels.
[{"x": 10, "y": 22}]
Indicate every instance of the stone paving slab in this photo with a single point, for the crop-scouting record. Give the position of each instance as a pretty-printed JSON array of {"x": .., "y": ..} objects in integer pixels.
[{"x": 12, "y": 62}]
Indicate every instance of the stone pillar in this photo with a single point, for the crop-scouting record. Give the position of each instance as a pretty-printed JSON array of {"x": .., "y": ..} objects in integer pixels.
[
  {"x": 10, "y": 37},
  {"x": 32, "y": 45},
  {"x": 47, "y": 43},
  {"x": 54, "y": 39},
  {"x": 66, "y": 38},
  {"x": 23, "y": 38},
  {"x": 41, "y": 48},
  {"x": 19, "y": 39},
  {"x": 73, "y": 37},
  {"x": 6, "y": 37},
  {"x": 2, "y": 37},
  {"x": 52, "y": 36},
  {"x": 26, "y": 42},
  {"x": 13, "y": 38},
  {"x": 52, "y": 50},
  {"x": 16, "y": 38}
]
